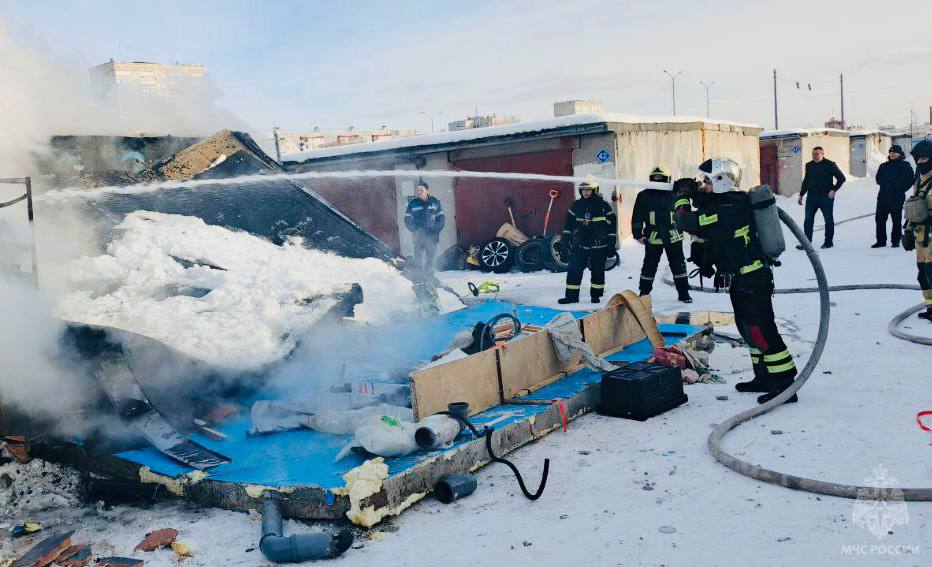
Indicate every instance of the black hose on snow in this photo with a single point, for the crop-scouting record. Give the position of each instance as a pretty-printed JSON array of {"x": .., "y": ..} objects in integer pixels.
[{"x": 784, "y": 479}]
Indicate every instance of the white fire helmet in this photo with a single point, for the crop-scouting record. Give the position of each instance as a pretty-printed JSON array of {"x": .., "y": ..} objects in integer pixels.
[{"x": 723, "y": 173}]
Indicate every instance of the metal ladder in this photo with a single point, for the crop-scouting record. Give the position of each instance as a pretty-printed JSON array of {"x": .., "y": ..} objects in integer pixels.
[{"x": 29, "y": 211}]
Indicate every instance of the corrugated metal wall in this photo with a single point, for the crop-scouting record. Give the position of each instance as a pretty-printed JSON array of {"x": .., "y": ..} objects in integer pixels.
[{"x": 480, "y": 203}]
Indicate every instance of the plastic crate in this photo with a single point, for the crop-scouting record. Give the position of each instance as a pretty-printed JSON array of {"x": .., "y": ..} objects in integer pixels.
[{"x": 640, "y": 390}]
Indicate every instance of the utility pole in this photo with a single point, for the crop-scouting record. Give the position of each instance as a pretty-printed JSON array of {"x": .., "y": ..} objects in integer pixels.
[
  {"x": 842, "y": 79},
  {"x": 707, "y": 87},
  {"x": 776, "y": 121},
  {"x": 431, "y": 115},
  {"x": 673, "y": 78}
]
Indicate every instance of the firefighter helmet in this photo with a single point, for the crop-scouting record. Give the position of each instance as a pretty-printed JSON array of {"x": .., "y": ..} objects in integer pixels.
[
  {"x": 723, "y": 173},
  {"x": 660, "y": 174},
  {"x": 590, "y": 185}
]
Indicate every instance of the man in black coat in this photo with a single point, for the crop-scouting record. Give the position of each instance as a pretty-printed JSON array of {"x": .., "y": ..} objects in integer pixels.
[
  {"x": 895, "y": 178},
  {"x": 822, "y": 181},
  {"x": 425, "y": 219}
]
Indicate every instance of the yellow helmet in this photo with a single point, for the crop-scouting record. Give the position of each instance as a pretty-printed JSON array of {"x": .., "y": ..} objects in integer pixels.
[
  {"x": 660, "y": 174},
  {"x": 590, "y": 185}
]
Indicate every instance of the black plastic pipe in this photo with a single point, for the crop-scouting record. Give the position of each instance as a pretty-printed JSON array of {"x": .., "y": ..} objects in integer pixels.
[{"x": 297, "y": 548}]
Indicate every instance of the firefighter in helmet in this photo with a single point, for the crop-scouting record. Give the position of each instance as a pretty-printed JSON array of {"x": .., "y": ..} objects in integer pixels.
[
  {"x": 589, "y": 237},
  {"x": 653, "y": 225},
  {"x": 713, "y": 209}
]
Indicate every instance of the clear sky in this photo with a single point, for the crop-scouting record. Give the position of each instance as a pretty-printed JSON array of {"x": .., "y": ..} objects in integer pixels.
[{"x": 300, "y": 64}]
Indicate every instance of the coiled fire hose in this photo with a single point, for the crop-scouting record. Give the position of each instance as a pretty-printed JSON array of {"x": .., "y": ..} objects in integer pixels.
[{"x": 784, "y": 479}]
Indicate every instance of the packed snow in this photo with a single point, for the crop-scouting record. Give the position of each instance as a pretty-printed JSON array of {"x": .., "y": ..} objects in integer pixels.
[
  {"x": 226, "y": 297},
  {"x": 630, "y": 493}
]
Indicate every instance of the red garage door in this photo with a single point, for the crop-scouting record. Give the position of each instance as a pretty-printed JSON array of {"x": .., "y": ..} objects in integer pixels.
[
  {"x": 480, "y": 203},
  {"x": 369, "y": 202},
  {"x": 769, "y": 168}
]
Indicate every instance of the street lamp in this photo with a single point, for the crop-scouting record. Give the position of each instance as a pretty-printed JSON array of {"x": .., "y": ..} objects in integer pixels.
[
  {"x": 707, "y": 87},
  {"x": 431, "y": 115},
  {"x": 673, "y": 78}
]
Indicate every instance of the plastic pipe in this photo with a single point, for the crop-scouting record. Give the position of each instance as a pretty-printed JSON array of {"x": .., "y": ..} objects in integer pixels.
[
  {"x": 454, "y": 486},
  {"x": 297, "y": 548}
]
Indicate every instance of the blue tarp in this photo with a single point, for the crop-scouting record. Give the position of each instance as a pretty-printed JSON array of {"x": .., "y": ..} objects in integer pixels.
[{"x": 305, "y": 457}]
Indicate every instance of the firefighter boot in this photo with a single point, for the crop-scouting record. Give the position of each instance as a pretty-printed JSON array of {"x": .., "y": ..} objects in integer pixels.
[{"x": 775, "y": 391}]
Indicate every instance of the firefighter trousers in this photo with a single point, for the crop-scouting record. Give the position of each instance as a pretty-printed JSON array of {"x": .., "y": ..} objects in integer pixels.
[
  {"x": 752, "y": 300},
  {"x": 580, "y": 259},
  {"x": 652, "y": 254}
]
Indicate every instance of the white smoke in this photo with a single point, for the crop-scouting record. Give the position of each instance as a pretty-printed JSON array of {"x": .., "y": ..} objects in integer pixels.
[{"x": 42, "y": 95}]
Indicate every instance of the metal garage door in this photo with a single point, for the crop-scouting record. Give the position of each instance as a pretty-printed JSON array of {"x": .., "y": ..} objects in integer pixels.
[{"x": 480, "y": 203}]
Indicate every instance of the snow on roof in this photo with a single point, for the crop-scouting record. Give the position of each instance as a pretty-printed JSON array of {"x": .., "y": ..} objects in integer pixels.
[
  {"x": 869, "y": 133},
  {"x": 505, "y": 130},
  {"x": 790, "y": 132}
]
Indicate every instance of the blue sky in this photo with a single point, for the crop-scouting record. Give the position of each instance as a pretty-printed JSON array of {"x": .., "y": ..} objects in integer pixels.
[{"x": 332, "y": 64}]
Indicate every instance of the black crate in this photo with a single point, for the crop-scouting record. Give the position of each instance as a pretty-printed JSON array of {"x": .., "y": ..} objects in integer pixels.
[{"x": 640, "y": 390}]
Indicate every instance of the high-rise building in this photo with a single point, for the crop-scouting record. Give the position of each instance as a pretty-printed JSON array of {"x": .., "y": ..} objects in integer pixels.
[
  {"x": 481, "y": 122},
  {"x": 140, "y": 78},
  {"x": 571, "y": 107}
]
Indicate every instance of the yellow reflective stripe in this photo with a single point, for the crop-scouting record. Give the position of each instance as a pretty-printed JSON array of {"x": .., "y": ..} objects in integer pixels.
[
  {"x": 781, "y": 368},
  {"x": 652, "y": 220},
  {"x": 572, "y": 286},
  {"x": 654, "y": 239},
  {"x": 776, "y": 357},
  {"x": 707, "y": 219},
  {"x": 681, "y": 203},
  {"x": 756, "y": 265},
  {"x": 597, "y": 286},
  {"x": 754, "y": 350},
  {"x": 675, "y": 236},
  {"x": 744, "y": 232},
  {"x": 597, "y": 219},
  {"x": 755, "y": 359},
  {"x": 571, "y": 212}
]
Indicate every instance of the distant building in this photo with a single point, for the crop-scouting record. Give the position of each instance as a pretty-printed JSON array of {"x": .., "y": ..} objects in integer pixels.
[
  {"x": 135, "y": 78},
  {"x": 302, "y": 141},
  {"x": 835, "y": 123},
  {"x": 571, "y": 107},
  {"x": 481, "y": 122}
]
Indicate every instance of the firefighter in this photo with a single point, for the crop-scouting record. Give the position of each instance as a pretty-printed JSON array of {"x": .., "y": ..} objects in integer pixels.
[
  {"x": 919, "y": 232},
  {"x": 723, "y": 218},
  {"x": 652, "y": 225},
  {"x": 589, "y": 236}
]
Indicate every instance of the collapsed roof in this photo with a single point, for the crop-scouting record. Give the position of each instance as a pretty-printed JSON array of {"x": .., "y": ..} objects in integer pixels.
[{"x": 275, "y": 209}]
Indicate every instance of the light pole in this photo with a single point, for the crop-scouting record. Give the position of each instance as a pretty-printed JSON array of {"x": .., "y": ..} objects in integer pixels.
[
  {"x": 431, "y": 115},
  {"x": 673, "y": 78},
  {"x": 707, "y": 87}
]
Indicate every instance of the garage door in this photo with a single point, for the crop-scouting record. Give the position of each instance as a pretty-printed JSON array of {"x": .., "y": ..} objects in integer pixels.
[{"x": 480, "y": 203}]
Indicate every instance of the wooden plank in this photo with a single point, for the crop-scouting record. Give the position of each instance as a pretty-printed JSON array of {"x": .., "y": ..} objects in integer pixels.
[
  {"x": 473, "y": 379},
  {"x": 612, "y": 329},
  {"x": 530, "y": 363},
  {"x": 700, "y": 318}
]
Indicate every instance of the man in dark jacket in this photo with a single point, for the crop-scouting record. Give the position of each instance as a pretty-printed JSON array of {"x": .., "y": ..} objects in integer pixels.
[
  {"x": 425, "y": 219},
  {"x": 652, "y": 225},
  {"x": 822, "y": 180},
  {"x": 590, "y": 232},
  {"x": 895, "y": 177}
]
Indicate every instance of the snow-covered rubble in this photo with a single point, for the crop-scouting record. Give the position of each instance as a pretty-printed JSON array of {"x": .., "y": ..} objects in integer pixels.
[{"x": 225, "y": 297}]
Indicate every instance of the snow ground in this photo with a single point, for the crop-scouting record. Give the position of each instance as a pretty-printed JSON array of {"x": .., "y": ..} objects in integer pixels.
[{"x": 627, "y": 493}]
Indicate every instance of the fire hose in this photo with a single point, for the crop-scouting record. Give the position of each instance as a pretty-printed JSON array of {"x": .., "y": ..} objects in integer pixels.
[
  {"x": 895, "y": 323},
  {"x": 785, "y": 479}
]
